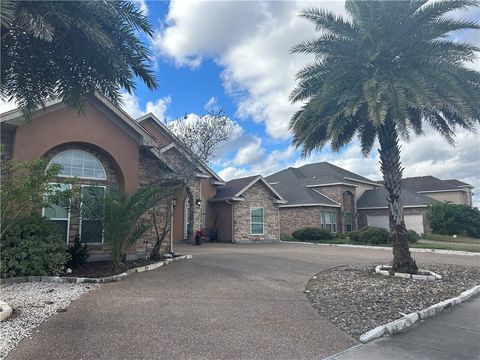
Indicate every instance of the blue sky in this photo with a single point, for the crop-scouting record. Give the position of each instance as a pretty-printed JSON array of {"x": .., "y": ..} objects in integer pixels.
[{"x": 236, "y": 55}]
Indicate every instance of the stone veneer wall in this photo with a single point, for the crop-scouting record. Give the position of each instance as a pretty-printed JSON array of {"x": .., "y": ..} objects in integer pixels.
[
  {"x": 336, "y": 193},
  {"x": 362, "y": 216},
  {"x": 256, "y": 196},
  {"x": 295, "y": 218}
]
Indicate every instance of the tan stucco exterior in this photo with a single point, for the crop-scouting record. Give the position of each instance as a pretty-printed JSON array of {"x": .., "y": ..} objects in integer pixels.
[
  {"x": 456, "y": 197},
  {"x": 36, "y": 137}
]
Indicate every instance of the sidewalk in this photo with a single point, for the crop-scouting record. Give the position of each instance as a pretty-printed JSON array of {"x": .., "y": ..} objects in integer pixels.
[{"x": 453, "y": 334}]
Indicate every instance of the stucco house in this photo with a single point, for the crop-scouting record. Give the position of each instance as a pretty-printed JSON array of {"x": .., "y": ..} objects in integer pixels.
[
  {"x": 327, "y": 196},
  {"x": 452, "y": 190}
]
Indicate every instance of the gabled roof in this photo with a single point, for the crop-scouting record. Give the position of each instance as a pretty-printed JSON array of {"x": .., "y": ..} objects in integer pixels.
[
  {"x": 234, "y": 189},
  {"x": 377, "y": 199},
  {"x": 297, "y": 194},
  {"x": 177, "y": 143},
  {"x": 428, "y": 183},
  {"x": 322, "y": 173},
  {"x": 458, "y": 183}
]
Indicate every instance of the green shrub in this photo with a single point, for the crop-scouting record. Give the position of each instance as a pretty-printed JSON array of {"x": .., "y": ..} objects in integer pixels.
[
  {"x": 78, "y": 253},
  {"x": 32, "y": 246},
  {"x": 452, "y": 219},
  {"x": 370, "y": 235},
  {"x": 286, "y": 237},
  {"x": 312, "y": 234},
  {"x": 413, "y": 237}
]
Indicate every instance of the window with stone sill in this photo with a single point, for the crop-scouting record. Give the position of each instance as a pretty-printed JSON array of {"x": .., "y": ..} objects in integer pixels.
[{"x": 256, "y": 221}]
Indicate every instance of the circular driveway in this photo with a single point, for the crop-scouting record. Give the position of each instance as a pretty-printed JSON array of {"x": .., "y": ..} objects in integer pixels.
[{"x": 228, "y": 302}]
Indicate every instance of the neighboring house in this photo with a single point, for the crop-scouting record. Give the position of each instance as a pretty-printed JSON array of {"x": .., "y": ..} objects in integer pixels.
[
  {"x": 106, "y": 147},
  {"x": 319, "y": 195},
  {"x": 453, "y": 190},
  {"x": 327, "y": 196},
  {"x": 373, "y": 211},
  {"x": 247, "y": 209}
]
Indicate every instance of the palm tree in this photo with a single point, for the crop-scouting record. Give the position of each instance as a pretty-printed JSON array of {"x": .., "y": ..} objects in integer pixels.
[
  {"x": 68, "y": 49},
  {"x": 383, "y": 74}
]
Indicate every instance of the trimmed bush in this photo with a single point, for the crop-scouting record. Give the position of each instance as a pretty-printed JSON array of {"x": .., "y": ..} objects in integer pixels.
[
  {"x": 370, "y": 235},
  {"x": 33, "y": 246},
  {"x": 413, "y": 237},
  {"x": 312, "y": 234},
  {"x": 452, "y": 219}
]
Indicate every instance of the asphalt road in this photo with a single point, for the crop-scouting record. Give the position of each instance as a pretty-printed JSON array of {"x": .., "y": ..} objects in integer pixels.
[{"x": 228, "y": 302}]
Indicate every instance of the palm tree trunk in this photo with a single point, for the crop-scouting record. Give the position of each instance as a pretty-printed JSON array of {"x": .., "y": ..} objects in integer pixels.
[{"x": 392, "y": 177}]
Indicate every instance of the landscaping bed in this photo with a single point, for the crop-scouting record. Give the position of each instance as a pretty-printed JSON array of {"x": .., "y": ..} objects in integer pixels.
[
  {"x": 97, "y": 269},
  {"x": 33, "y": 303},
  {"x": 356, "y": 299}
]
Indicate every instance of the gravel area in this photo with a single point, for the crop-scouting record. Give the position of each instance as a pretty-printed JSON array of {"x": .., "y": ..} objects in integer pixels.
[
  {"x": 33, "y": 303},
  {"x": 356, "y": 299}
]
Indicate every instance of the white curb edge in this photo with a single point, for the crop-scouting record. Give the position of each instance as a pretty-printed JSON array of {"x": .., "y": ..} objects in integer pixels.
[
  {"x": 427, "y": 274},
  {"x": 113, "y": 278},
  {"x": 396, "y": 326},
  {"x": 419, "y": 250},
  {"x": 6, "y": 311}
]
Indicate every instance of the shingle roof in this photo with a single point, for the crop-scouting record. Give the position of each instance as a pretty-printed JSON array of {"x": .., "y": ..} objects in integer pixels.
[
  {"x": 427, "y": 183},
  {"x": 458, "y": 183},
  {"x": 377, "y": 198},
  {"x": 292, "y": 182},
  {"x": 236, "y": 187},
  {"x": 317, "y": 174},
  {"x": 232, "y": 187}
]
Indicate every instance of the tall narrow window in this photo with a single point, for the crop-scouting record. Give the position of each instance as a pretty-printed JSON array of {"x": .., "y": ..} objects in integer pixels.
[
  {"x": 203, "y": 215},
  {"x": 348, "y": 222},
  {"x": 60, "y": 214},
  {"x": 329, "y": 221},
  {"x": 256, "y": 221},
  {"x": 91, "y": 223}
]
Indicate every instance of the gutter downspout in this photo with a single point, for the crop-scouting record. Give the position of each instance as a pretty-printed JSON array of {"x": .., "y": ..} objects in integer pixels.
[{"x": 233, "y": 225}]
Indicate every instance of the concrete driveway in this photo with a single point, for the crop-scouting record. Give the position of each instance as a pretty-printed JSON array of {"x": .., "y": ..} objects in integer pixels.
[{"x": 228, "y": 302}]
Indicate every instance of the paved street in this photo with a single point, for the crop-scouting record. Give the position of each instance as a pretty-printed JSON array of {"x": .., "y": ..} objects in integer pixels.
[
  {"x": 453, "y": 334},
  {"x": 228, "y": 302}
]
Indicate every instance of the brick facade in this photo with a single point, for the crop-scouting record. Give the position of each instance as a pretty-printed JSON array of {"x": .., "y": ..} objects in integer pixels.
[
  {"x": 256, "y": 196},
  {"x": 296, "y": 218}
]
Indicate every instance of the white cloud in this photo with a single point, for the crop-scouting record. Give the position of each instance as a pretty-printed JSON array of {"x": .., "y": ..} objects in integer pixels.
[
  {"x": 143, "y": 6},
  {"x": 131, "y": 105},
  {"x": 252, "y": 41},
  {"x": 250, "y": 153}
]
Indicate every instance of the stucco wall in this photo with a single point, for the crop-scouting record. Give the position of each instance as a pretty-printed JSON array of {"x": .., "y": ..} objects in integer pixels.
[
  {"x": 156, "y": 131},
  {"x": 295, "y": 218},
  {"x": 256, "y": 196},
  {"x": 456, "y": 197},
  {"x": 65, "y": 125},
  {"x": 224, "y": 224}
]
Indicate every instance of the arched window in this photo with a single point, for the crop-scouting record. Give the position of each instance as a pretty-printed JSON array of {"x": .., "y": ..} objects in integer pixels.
[{"x": 79, "y": 163}]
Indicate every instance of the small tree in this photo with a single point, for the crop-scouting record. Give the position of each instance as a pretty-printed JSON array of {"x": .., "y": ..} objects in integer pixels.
[
  {"x": 452, "y": 219},
  {"x": 27, "y": 188},
  {"x": 198, "y": 139},
  {"x": 121, "y": 216}
]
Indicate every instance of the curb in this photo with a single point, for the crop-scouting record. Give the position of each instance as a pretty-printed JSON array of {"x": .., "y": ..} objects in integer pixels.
[
  {"x": 102, "y": 280},
  {"x": 418, "y": 250},
  {"x": 396, "y": 326},
  {"x": 6, "y": 311},
  {"x": 422, "y": 274}
]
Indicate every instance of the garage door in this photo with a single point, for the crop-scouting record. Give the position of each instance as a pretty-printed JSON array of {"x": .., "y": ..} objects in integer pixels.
[{"x": 412, "y": 222}]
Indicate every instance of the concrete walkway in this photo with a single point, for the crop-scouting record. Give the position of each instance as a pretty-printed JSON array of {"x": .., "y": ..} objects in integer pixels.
[
  {"x": 453, "y": 334},
  {"x": 228, "y": 302}
]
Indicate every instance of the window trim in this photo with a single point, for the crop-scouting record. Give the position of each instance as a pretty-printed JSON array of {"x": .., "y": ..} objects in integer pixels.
[
  {"x": 81, "y": 218},
  {"x": 263, "y": 220},
  {"x": 333, "y": 223},
  {"x": 79, "y": 177},
  {"x": 57, "y": 219}
]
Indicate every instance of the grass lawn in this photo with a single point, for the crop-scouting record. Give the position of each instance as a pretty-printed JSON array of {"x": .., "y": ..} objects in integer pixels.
[{"x": 439, "y": 242}]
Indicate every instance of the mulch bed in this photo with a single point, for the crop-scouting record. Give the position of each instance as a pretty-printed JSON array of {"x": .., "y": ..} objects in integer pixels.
[
  {"x": 356, "y": 299},
  {"x": 105, "y": 268}
]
